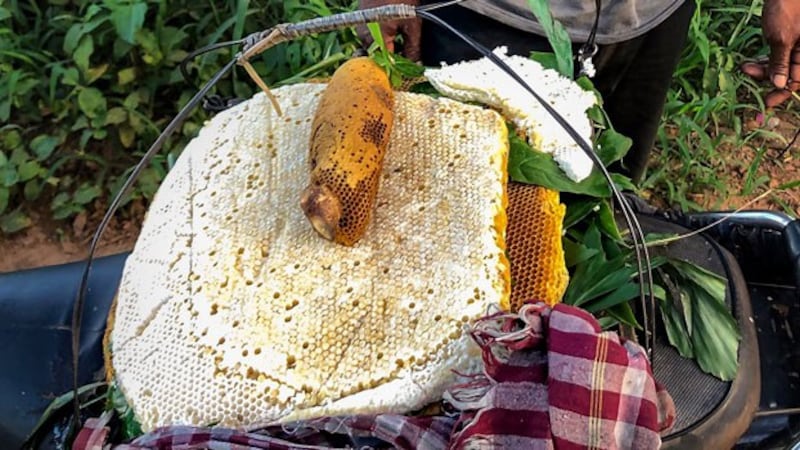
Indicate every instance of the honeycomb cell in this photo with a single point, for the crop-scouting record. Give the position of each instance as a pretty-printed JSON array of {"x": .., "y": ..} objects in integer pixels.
[
  {"x": 533, "y": 238},
  {"x": 324, "y": 325}
]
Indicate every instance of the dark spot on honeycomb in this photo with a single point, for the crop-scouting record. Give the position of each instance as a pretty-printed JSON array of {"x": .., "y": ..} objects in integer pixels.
[{"x": 374, "y": 130}]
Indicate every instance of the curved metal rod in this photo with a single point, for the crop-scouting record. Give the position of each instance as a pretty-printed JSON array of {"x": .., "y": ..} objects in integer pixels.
[{"x": 77, "y": 310}]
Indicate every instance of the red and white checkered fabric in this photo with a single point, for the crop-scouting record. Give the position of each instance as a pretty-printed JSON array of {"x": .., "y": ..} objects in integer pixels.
[{"x": 552, "y": 380}]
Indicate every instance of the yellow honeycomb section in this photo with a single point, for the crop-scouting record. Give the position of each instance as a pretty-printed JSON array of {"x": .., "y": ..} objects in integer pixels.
[{"x": 533, "y": 239}]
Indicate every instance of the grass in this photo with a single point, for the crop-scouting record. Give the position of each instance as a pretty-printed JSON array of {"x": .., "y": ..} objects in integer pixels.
[
  {"x": 700, "y": 147},
  {"x": 85, "y": 86}
]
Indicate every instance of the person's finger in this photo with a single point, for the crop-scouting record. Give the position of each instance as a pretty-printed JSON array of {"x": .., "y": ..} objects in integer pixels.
[
  {"x": 779, "y": 57},
  {"x": 388, "y": 41},
  {"x": 364, "y": 35},
  {"x": 412, "y": 34},
  {"x": 794, "y": 65},
  {"x": 776, "y": 97},
  {"x": 755, "y": 70}
]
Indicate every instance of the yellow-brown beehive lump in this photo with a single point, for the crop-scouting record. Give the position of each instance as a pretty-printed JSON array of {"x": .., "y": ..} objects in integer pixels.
[
  {"x": 349, "y": 136},
  {"x": 535, "y": 222},
  {"x": 232, "y": 310}
]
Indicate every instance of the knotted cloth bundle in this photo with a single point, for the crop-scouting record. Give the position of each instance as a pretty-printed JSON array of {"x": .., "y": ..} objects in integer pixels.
[{"x": 552, "y": 380}]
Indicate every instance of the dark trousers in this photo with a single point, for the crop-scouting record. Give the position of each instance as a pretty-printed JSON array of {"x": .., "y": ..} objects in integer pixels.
[{"x": 632, "y": 76}]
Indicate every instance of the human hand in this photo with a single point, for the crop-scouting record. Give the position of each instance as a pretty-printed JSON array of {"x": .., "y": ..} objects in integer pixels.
[
  {"x": 410, "y": 29},
  {"x": 780, "y": 21}
]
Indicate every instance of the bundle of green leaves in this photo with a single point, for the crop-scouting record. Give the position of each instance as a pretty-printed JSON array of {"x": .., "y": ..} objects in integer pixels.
[{"x": 604, "y": 275}]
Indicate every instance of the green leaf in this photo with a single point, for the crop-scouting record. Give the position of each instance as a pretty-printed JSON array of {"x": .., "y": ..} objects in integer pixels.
[
  {"x": 57, "y": 404},
  {"x": 789, "y": 185},
  {"x": 71, "y": 77},
  {"x": 579, "y": 209},
  {"x": 597, "y": 116},
  {"x": 92, "y": 102},
  {"x": 83, "y": 52},
  {"x": 94, "y": 73},
  {"x": 4, "y": 195},
  {"x": 623, "y": 183},
  {"x": 592, "y": 238},
  {"x": 606, "y": 277},
  {"x": 606, "y": 221},
  {"x": 14, "y": 221},
  {"x": 61, "y": 199},
  {"x": 377, "y": 36},
  {"x": 607, "y": 323},
  {"x": 19, "y": 156},
  {"x": 43, "y": 146},
  {"x": 86, "y": 193},
  {"x": 676, "y": 330},
  {"x": 80, "y": 123},
  {"x": 116, "y": 116},
  {"x": 714, "y": 285},
  {"x": 556, "y": 35},
  {"x": 128, "y": 20},
  {"x": 713, "y": 333},
  {"x": 8, "y": 176},
  {"x": 32, "y": 190},
  {"x": 526, "y": 165},
  {"x": 575, "y": 253},
  {"x": 28, "y": 170},
  {"x": 72, "y": 38},
  {"x": 151, "y": 49},
  {"x": 12, "y": 140},
  {"x": 597, "y": 276},
  {"x": 3, "y": 159},
  {"x": 117, "y": 401},
  {"x": 612, "y": 146},
  {"x": 127, "y": 136},
  {"x": 715, "y": 336},
  {"x": 407, "y": 68},
  {"x": 126, "y": 76},
  {"x": 546, "y": 59},
  {"x": 586, "y": 84},
  {"x": 68, "y": 210},
  {"x": 619, "y": 295},
  {"x": 624, "y": 314}
]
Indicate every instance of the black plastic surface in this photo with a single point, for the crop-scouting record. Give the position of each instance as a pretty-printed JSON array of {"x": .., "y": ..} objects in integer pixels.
[{"x": 37, "y": 309}]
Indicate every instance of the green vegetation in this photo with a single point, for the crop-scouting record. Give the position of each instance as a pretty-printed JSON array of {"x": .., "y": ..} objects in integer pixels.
[
  {"x": 707, "y": 109},
  {"x": 86, "y": 86}
]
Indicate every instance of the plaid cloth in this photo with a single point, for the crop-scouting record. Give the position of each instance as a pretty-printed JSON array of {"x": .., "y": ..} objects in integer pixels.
[{"x": 552, "y": 380}]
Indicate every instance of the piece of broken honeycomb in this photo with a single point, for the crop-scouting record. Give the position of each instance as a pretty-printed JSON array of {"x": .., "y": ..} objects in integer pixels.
[
  {"x": 533, "y": 238},
  {"x": 232, "y": 310}
]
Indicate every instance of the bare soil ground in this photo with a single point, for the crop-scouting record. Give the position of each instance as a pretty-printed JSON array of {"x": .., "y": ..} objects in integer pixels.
[
  {"x": 51, "y": 242},
  {"x": 55, "y": 242}
]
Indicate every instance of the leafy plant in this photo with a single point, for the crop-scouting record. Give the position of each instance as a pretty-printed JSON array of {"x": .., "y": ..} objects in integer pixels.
[
  {"x": 696, "y": 318},
  {"x": 706, "y": 109},
  {"x": 86, "y": 86},
  {"x": 397, "y": 67}
]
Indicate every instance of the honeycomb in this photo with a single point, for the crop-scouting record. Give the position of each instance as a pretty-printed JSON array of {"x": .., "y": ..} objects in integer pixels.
[
  {"x": 483, "y": 82},
  {"x": 232, "y": 310},
  {"x": 351, "y": 130},
  {"x": 533, "y": 237}
]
